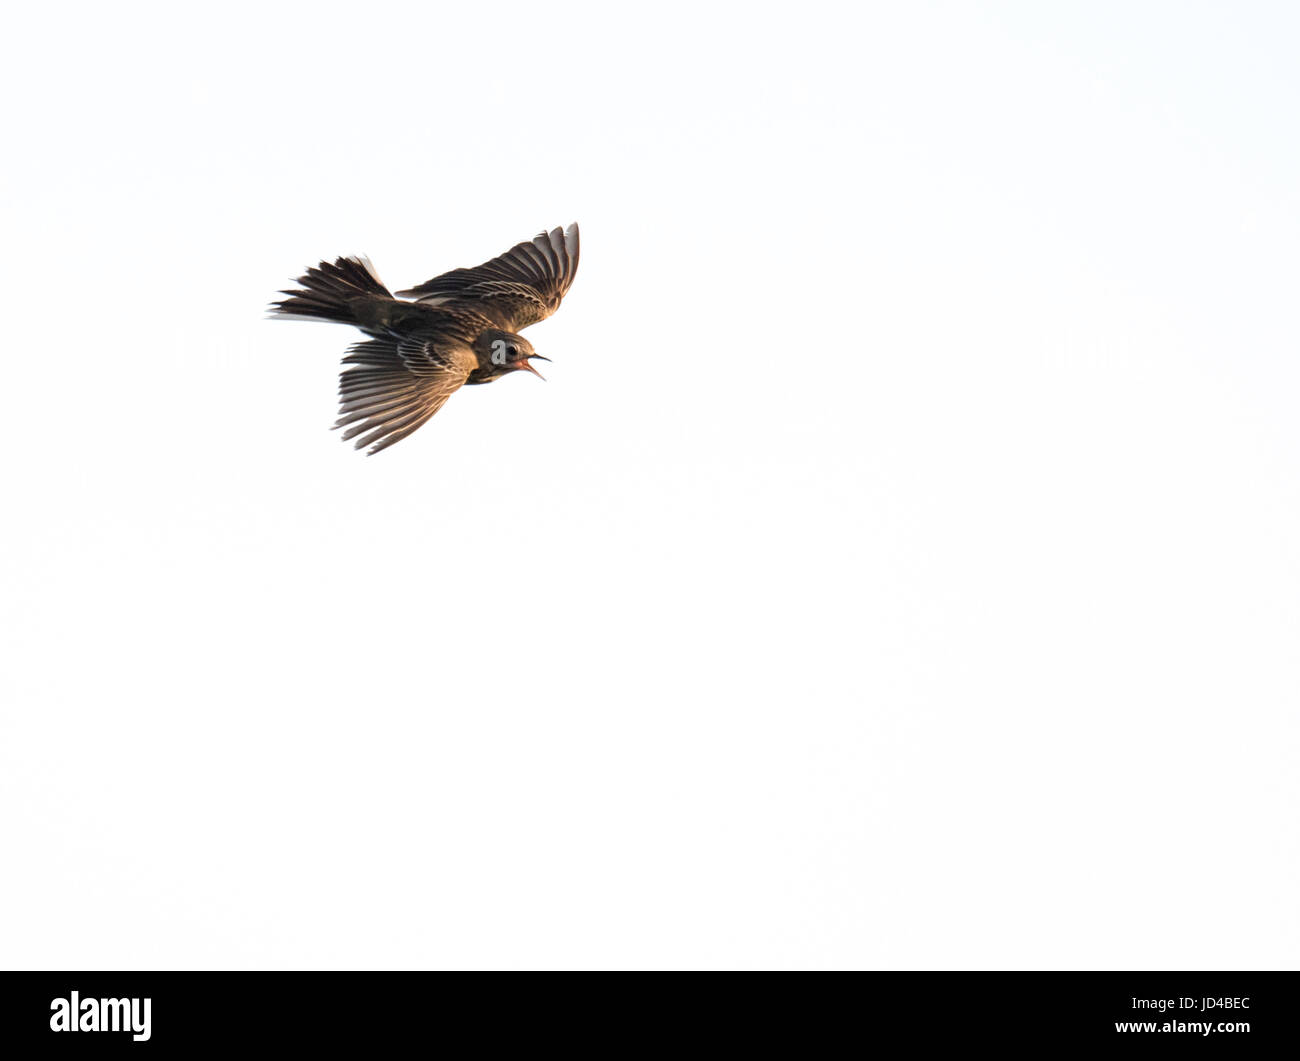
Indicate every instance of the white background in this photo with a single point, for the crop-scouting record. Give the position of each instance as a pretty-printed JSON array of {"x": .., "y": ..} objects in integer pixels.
[{"x": 898, "y": 570}]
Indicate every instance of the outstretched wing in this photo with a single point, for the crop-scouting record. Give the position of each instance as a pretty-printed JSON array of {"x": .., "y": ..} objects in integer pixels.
[
  {"x": 519, "y": 288},
  {"x": 397, "y": 384}
]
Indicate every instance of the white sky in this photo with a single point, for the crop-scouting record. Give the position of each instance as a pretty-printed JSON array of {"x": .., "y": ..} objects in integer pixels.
[{"x": 898, "y": 570}]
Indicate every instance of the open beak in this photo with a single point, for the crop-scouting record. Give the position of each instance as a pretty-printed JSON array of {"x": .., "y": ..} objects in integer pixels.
[{"x": 527, "y": 364}]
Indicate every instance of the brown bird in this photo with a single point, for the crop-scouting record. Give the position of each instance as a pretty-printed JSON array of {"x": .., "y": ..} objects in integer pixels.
[{"x": 463, "y": 327}]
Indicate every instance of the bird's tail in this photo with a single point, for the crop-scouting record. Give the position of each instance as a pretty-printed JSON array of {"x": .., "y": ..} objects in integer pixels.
[{"x": 341, "y": 291}]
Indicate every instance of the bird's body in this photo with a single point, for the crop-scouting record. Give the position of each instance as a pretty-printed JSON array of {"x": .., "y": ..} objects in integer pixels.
[{"x": 461, "y": 329}]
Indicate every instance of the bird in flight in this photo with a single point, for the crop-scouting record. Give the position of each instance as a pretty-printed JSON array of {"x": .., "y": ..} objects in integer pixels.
[{"x": 461, "y": 327}]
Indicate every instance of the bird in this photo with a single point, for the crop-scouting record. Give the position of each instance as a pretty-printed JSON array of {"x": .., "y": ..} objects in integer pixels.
[{"x": 425, "y": 343}]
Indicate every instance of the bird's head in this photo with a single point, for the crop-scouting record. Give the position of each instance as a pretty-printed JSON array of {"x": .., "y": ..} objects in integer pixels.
[{"x": 501, "y": 352}]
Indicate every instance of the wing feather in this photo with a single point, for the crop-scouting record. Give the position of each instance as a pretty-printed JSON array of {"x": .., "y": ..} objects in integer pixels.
[
  {"x": 398, "y": 383},
  {"x": 520, "y": 287}
]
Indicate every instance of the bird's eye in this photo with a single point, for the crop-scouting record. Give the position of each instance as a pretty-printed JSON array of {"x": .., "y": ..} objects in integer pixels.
[{"x": 512, "y": 351}]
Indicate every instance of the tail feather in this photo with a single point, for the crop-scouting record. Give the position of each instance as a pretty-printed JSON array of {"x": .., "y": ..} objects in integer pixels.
[{"x": 333, "y": 292}]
